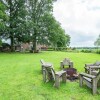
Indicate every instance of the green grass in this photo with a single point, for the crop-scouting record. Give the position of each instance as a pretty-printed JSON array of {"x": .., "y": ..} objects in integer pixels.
[{"x": 21, "y": 77}]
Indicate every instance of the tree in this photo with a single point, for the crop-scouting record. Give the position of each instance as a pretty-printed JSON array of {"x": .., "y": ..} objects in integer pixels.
[
  {"x": 54, "y": 33},
  {"x": 37, "y": 9},
  {"x": 32, "y": 20},
  {"x": 17, "y": 16},
  {"x": 97, "y": 42}
]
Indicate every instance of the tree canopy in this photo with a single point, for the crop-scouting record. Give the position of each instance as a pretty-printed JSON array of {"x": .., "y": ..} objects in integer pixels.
[
  {"x": 3, "y": 18},
  {"x": 31, "y": 21}
]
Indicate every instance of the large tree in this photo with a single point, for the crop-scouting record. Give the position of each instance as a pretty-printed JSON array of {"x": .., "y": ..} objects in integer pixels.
[
  {"x": 32, "y": 20},
  {"x": 37, "y": 9},
  {"x": 17, "y": 16}
]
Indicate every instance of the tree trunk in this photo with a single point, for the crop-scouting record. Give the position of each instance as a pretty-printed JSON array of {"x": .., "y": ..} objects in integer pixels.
[
  {"x": 11, "y": 27},
  {"x": 12, "y": 43},
  {"x": 35, "y": 41},
  {"x": 34, "y": 46}
]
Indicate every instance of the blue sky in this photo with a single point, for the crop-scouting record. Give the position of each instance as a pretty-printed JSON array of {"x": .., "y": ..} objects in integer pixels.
[{"x": 80, "y": 19}]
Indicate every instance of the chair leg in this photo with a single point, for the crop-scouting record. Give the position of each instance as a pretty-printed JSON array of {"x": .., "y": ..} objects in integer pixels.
[
  {"x": 44, "y": 75},
  {"x": 49, "y": 76},
  {"x": 64, "y": 77},
  {"x": 42, "y": 68},
  {"x": 80, "y": 80},
  {"x": 71, "y": 65},
  {"x": 94, "y": 88},
  {"x": 57, "y": 81},
  {"x": 98, "y": 85}
]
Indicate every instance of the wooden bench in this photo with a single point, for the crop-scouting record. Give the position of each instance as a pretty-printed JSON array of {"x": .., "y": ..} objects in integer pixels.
[{"x": 92, "y": 81}]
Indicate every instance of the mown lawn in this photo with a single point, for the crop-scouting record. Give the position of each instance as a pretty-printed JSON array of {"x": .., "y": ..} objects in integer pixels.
[{"x": 21, "y": 77}]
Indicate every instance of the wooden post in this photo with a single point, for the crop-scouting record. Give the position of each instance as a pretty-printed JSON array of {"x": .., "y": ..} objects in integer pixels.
[
  {"x": 71, "y": 65},
  {"x": 42, "y": 68},
  {"x": 49, "y": 76},
  {"x": 89, "y": 70},
  {"x": 57, "y": 80},
  {"x": 80, "y": 80},
  {"x": 64, "y": 77},
  {"x": 98, "y": 83},
  {"x": 94, "y": 86},
  {"x": 44, "y": 75}
]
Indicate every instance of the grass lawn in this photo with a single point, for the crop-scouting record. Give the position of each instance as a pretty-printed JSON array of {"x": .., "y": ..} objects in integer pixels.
[{"x": 21, "y": 77}]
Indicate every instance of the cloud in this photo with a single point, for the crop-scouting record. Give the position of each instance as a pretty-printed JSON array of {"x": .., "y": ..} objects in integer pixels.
[{"x": 80, "y": 19}]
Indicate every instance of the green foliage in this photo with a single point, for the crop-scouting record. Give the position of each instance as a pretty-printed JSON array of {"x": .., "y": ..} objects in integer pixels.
[
  {"x": 31, "y": 20},
  {"x": 86, "y": 51},
  {"x": 50, "y": 49},
  {"x": 38, "y": 9},
  {"x": 21, "y": 77},
  {"x": 98, "y": 51},
  {"x": 3, "y": 18},
  {"x": 56, "y": 35},
  {"x": 16, "y": 11}
]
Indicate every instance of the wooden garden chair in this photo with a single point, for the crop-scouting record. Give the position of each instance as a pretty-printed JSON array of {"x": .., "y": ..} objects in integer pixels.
[
  {"x": 92, "y": 81},
  {"x": 66, "y": 62},
  {"x": 45, "y": 64},
  {"x": 90, "y": 68},
  {"x": 50, "y": 74}
]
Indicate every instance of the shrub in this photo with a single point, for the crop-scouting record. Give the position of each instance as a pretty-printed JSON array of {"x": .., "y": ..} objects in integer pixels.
[
  {"x": 98, "y": 51},
  {"x": 50, "y": 49},
  {"x": 86, "y": 51}
]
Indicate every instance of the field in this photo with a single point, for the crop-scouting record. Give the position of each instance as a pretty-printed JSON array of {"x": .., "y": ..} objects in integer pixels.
[{"x": 21, "y": 77}]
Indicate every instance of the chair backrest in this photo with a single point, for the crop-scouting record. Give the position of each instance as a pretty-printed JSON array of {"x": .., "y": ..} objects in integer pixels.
[
  {"x": 97, "y": 63},
  {"x": 98, "y": 76},
  {"x": 42, "y": 62},
  {"x": 50, "y": 70},
  {"x": 66, "y": 61}
]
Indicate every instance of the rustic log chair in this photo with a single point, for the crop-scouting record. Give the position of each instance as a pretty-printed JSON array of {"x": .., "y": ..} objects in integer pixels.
[
  {"x": 66, "y": 62},
  {"x": 92, "y": 70},
  {"x": 45, "y": 64},
  {"x": 92, "y": 81},
  {"x": 49, "y": 74}
]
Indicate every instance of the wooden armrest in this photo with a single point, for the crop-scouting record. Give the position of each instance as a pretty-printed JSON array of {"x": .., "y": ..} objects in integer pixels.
[
  {"x": 87, "y": 75},
  {"x": 88, "y": 65},
  {"x": 95, "y": 67},
  {"x": 60, "y": 72},
  {"x": 47, "y": 64}
]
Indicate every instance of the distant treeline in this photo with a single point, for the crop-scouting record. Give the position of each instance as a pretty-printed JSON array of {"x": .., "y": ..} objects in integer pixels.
[{"x": 86, "y": 47}]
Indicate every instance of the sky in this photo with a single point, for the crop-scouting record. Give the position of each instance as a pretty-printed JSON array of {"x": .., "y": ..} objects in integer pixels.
[{"x": 80, "y": 19}]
